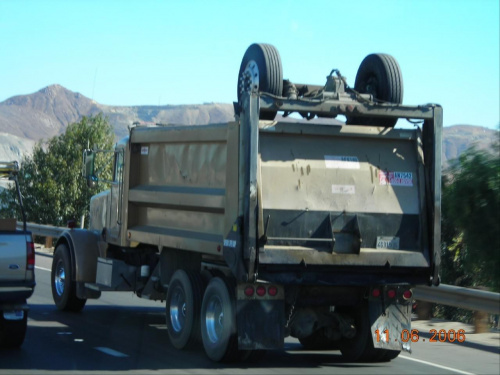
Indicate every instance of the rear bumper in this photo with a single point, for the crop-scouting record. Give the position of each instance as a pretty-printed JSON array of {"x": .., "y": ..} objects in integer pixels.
[{"x": 10, "y": 292}]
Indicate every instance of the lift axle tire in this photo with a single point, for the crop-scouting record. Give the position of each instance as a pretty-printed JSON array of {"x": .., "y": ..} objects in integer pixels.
[
  {"x": 261, "y": 69},
  {"x": 380, "y": 75}
]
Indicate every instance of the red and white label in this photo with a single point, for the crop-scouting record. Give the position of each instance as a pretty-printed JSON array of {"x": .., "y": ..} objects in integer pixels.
[{"x": 395, "y": 178}]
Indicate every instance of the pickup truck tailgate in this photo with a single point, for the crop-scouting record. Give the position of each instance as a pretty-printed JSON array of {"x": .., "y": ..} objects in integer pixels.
[{"x": 13, "y": 255}]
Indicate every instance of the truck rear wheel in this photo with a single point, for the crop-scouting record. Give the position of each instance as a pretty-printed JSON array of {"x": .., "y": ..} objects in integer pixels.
[
  {"x": 318, "y": 341},
  {"x": 12, "y": 332},
  {"x": 183, "y": 305},
  {"x": 360, "y": 347},
  {"x": 218, "y": 320},
  {"x": 63, "y": 288},
  {"x": 380, "y": 75},
  {"x": 389, "y": 355},
  {"x": 261, "y": 68}
]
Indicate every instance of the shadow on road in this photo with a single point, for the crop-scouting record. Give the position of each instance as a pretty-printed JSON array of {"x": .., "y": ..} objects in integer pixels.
[{"x": 124, "y": 338}]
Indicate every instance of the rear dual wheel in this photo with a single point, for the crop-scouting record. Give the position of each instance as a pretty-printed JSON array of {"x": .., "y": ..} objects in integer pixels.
[
  {"x": 218, "y": 322},
  {"x": 183, "y": 306},
  {"x": 318, "y": 341},
  {"x": 360, "y": 348}
]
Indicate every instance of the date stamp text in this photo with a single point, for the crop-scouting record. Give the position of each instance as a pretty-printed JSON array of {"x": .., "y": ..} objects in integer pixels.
[{"x": 414, "y": 335}]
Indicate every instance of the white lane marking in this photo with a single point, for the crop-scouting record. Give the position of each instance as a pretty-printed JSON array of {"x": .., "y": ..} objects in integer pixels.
[
  {"x": 436, "y": 365},
  {"x": 42, "y": 268},
  {"x": 110, "y": 351}
]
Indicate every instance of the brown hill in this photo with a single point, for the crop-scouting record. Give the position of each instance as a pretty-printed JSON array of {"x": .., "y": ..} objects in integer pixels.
[
  {"x": 458, "y": 138},
  {"x": 48, "y": 112},
  {"x": 45, "y": 113}
]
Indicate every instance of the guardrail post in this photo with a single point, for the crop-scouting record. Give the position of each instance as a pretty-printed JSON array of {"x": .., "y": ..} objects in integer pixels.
[
  {"x": 481, "y": 324},
  {"x": 424, "y": 310},
  {"x": 48, "y": 242}
]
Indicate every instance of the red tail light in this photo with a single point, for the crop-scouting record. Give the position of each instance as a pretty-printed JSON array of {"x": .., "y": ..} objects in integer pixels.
[
  {"x": 407, "y": 294},
  {"x": 391, "y": 293},
  {"x": 261, "y": 291},
  {"x": 249, "y": 291},
  {"x": 30, "y": 255},
  {"x": 273, "y": 291},
  {"x": 376, "y": 292}
]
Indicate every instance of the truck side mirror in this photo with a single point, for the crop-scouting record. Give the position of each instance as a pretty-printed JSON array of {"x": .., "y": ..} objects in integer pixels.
[{"x": 88, "y": 168}]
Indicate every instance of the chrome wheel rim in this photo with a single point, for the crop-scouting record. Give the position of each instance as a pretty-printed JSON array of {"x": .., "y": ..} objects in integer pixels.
[
  {"x": 178, "y": 310},
  {"x": 214, "y": 319},
  {"x": 60, "y": 278},
  {"x": 249, "y": 78}
]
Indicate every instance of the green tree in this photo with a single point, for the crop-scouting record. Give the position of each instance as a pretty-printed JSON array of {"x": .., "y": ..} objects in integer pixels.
[
  {"x": 51, "y": 181},
  {"x": 471, "y": 229}
]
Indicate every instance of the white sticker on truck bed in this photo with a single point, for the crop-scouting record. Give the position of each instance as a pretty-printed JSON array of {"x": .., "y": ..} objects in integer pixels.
[
  {"x": 343, "y": 189},
  {"x": 395, "y": 178},
  {"x": 341, "y": 162},
  {"x": 144, "y": 150},
  {"x": 385, "y": 242}
]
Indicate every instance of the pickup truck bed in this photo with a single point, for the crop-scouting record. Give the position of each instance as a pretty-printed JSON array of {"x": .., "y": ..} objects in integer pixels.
[{"x": 17, "y": 277}]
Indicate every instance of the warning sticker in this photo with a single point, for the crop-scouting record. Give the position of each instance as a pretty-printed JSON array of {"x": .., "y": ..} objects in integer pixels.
[
  {"x": 144, "y": 150},
  {"x": 341, "y": 162},
  {"x": 343, "y": 189},
  {"x": 395, "y": 178}
]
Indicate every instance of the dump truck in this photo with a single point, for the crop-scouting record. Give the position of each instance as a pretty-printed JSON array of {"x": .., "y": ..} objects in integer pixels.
[
  {"x": 17, "y": 268},
  {"x": 271, "y": 226}
]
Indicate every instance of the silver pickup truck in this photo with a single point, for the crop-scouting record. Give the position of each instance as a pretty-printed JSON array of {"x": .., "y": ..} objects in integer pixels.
[{"x": 17, "y": 269}]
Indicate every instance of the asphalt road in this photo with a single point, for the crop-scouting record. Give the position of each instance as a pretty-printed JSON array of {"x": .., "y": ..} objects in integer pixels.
[{"x": 120, "y": 333}]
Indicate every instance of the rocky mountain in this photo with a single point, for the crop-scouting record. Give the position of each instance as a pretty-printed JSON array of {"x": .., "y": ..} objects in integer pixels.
[
  {"x": 26, "y": 119},
  {"x": 48, "y": 112},
  {"x": 458, "y": 138}
]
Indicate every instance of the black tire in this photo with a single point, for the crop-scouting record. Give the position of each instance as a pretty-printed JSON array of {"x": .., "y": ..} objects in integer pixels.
[
  {"x": 218, "y": 321},
  {"x": 353, "y": 349},
  {"x": 262, "y": 63},
  {"x": 252, "y": 356},
  {"x": 12, "y": 332},
  {"x": 183, "y": 306},
  {"x": 389, "y": 355},
  {"x": 63, "y": 286},
  {"x": 318, "y": 341},
  {"x": 380, "y": 75},
  {"x": 360, "y": 348}
]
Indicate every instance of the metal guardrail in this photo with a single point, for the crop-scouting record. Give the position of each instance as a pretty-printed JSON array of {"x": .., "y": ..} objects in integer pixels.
[
  {"x": 449, "y": 295},
  {"x": 465, "y": 298}
]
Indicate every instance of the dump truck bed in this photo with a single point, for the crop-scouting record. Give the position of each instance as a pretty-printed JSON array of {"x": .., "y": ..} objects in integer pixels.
[{"x": 330, "y": 197}]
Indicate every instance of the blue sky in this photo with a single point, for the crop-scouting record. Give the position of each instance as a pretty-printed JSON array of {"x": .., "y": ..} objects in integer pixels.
[{"x": 189, "y": 52}]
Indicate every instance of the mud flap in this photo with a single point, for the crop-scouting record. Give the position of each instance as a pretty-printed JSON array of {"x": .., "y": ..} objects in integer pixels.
[
  {"x": 387, "y": 325},
  {"x": 260, "y": 324}
]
